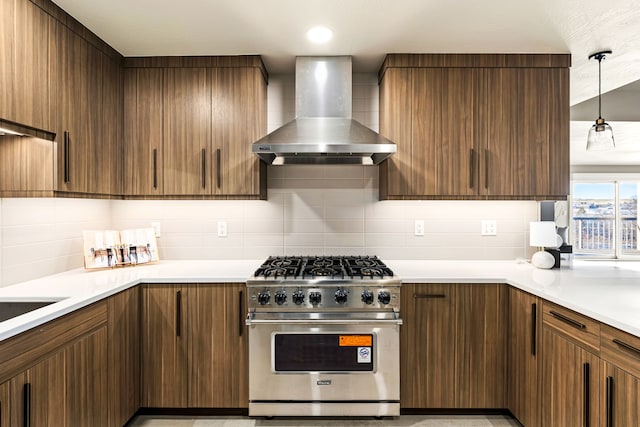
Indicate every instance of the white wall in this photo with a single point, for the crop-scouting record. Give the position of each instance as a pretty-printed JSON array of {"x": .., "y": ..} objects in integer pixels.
[{"x": 310, "y": 210}]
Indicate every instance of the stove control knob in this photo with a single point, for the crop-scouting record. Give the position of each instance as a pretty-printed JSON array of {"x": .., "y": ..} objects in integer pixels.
[
  {"x": 264, "y": 298},
  {"x": 341, "y": 296},
  {"x": 367, "y": 297},
  {"x": 315, "y": 297},
  {"x": 298, "y": 297},
  {"x": 384, "y": 297},
  {"x": 281, "y": 297}
]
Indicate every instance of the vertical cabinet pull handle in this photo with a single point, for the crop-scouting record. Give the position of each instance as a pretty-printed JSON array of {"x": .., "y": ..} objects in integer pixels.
[
  {"x": 26, "y": 396},
  {"x": 486, "y": 169},
  {"x": 587, "y": 393},
  {"x": 204, "y": 168},
  {"x": 65, "y": 166},
  {"x": 155, "y": 168},
  {"x": 472, "y": 168},
  {"x": 240, "y": 314},
  {"x": 178, "y": 313},
  {"x": 218, "y": 179},
  {"x": 534, "y": 327},
  {"x": 609, "y": 402}
]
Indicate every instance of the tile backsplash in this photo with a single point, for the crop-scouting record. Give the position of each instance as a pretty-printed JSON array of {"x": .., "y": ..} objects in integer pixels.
[{"x": 331, "y": 210}]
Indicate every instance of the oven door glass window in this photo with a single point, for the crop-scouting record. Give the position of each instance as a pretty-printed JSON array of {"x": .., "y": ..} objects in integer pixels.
[{"x": 323, "y": 352}]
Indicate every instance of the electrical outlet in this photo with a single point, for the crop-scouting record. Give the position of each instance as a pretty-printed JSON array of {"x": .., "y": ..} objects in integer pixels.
[
  {"x": 488, "y": 227},
  {"x": 418, "y": 227},
  {"x": 222, "y": 228},
  {"x": 156, "y": 228}
]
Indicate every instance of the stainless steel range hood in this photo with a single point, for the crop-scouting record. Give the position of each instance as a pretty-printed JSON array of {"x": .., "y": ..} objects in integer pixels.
[{"x": 323, "y": 131}]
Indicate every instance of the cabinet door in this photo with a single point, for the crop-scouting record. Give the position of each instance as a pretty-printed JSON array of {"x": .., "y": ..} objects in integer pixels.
[
  {"x": 218, "y": 356},
  {"x": 570, "y": 389},
  {"x": 525, "y": 322},
  {"x": 238, "y": 119},
  {"x": 30, "y": 84},
  {"x": 124, "y": 355},
  {"x": 428, "y": 346},
  {"x": 108, "y": 170},
  {"x": 187, "y": 131},
  {"x": 621, "y": 397},
  {"x": 498, "y": 143},
  {"x": 143, "y": 144},
  {"x": 7, "y": 65},
  {"x": 5, "y": 404},
  {"x": 164, "y": 347},
  {"x": 42, "y": 388},
  {"x": 395, "y": 124},
  {"x": 482, "y": 345},
  {"x": 86, "y": 396}
]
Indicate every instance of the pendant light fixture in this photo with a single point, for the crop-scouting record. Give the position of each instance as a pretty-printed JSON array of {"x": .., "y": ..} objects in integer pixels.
[{"x": 600, "y": 135}]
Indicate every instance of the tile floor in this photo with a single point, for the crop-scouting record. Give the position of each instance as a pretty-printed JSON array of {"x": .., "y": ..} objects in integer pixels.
[{"x": 403, "y": 421}]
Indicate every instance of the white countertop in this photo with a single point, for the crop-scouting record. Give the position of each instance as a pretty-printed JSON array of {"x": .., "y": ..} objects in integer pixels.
[{"x": 607, "y": 291}]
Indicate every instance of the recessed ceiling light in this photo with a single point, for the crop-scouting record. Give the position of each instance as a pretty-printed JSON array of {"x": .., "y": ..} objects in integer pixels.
[{"x": 319, "y": 34}]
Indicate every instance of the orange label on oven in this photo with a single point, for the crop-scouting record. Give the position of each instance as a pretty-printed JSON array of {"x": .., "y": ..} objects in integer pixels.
[{"x": 355, "y": 340}]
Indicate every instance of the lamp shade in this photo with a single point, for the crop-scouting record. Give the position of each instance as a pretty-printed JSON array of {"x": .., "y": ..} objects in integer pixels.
[
  {"x": 543, "y": 234},
  {"x": 600, "y": 137}
]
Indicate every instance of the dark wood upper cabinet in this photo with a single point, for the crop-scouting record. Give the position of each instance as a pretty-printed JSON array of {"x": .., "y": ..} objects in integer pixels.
[{"x": 480, "y": 127}]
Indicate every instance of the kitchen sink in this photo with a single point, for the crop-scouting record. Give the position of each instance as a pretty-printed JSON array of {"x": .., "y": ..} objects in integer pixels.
[{"x": 11, "y": 309}]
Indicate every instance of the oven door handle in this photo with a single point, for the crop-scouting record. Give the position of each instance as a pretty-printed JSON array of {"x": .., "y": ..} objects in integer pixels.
[{"x": 379, "y": 322}]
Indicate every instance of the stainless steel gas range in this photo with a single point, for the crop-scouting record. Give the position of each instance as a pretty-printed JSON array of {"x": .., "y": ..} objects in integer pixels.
[{"x": 324, "y": 336}]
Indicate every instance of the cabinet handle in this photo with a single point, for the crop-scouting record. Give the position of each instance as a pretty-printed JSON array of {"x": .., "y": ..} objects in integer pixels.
[
  {"x": 204, "y": 168},
  {"x": 429, "y": 296},
  {"x": 627, "y": 346},
  {"x": 26, "y": 396},
  {"x": 218, "y": 178},
  {"x": 486, "y": 169},
  {"x": 240, "y": 316},
  {"x": 472, "y": 168},
  {"x": 155, "y": 168},
  {"x": 178, "y": 313},
  {"x": 534, "y": 327},
  {"x": 587, "y": 392},
  {"x": 65, "y": 167},
  {"x": 568, "y": 320},
  {"x": 609, "y": 402}
]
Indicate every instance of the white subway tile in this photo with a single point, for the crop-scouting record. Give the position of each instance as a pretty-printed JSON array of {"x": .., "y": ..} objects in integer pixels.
[{"x": 344, "y": 240}]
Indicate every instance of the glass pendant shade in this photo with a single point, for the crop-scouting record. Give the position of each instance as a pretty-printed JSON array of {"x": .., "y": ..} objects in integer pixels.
[{"x": 600, "y": 137}]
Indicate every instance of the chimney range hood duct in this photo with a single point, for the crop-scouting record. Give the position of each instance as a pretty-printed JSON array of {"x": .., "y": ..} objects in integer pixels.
[{"x": 323, "y": 131}]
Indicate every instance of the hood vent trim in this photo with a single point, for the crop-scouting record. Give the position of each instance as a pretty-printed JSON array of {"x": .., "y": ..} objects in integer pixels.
[{"x": 323, "y": 132}]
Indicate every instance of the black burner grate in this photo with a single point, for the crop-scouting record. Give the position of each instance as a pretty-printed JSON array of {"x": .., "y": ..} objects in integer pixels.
[{"x": 335, "y": 267}]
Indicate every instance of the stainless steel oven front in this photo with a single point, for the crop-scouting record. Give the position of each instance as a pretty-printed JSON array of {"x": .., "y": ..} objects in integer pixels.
[{"x": 334, "y": 364}]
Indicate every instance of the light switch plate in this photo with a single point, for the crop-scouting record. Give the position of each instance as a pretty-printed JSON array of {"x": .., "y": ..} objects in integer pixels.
[
  {"x": 418, "y": 227},
  {"x": 488, "y": 227},
  {"x": 156, "y": 228},
  {"x": 222, "y": 228}
]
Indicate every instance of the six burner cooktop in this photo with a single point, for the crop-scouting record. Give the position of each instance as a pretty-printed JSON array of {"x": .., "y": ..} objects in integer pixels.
[{"x": 333, "y": 267}]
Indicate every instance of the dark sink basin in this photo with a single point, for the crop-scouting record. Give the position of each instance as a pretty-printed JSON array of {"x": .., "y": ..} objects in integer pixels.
[{"x": 10, "y": 309}]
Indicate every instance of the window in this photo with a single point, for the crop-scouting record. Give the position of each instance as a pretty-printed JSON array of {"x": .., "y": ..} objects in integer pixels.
[{"x": 604, "y": 215}]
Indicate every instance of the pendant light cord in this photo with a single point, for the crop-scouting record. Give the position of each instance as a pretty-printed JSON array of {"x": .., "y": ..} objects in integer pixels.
[{"x": 600, "y": 86}]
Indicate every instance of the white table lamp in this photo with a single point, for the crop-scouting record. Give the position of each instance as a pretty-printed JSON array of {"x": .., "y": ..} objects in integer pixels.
[{"x": 542, "y": 234}]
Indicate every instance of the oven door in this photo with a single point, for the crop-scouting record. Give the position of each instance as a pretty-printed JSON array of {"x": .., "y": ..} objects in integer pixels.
[{"x": 331, "y": 358}]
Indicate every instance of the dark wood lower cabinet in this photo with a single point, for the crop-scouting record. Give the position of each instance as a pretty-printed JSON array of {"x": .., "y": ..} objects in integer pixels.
[
  {"x": 620, "y": 397},
  {"x": 571, "y": 390},
  {"x": 5, "y": 414},
  {"x": 194, "y": 346}
]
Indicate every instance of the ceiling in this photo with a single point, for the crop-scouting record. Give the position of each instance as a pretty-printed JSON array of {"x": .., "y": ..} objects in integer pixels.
[{"x": 368, "y": 29}]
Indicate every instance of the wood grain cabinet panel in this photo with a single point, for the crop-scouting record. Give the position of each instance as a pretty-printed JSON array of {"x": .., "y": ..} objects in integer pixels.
[
  {"x": 164, "y": 347},
  {"x": 620, "y": 397},
  {"x": 5, "y": 404},
  {"x": 476, "y": 131},
  {"x": 571, "y": 389},
  {"x": 143, "y": 138},
  {"x": 7, "y": 65},
  {"x": 524, "y": 357},
  {"x": 482, "y": 349},
  {"x": 86, "y": 394},
  {"x": 124, "y": 355},
  {"x": 238, "y": 98},
  {"x": 187, "y": 131},
  {"x": 428, "y": 346}
]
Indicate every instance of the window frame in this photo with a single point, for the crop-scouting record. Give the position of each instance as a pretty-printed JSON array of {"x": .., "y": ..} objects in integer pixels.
[{"x": 602, "y": 178}]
